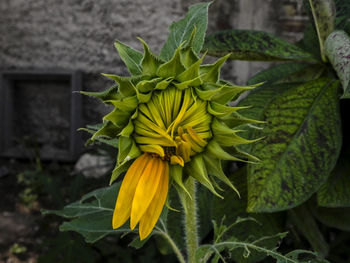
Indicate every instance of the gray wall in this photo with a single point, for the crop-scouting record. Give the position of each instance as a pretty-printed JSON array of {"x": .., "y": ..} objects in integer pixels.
[{"x": 79, "y": 34}]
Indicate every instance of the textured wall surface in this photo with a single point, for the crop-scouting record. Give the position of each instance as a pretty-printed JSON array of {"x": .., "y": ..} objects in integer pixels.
[{"x": 79, "y": 34}]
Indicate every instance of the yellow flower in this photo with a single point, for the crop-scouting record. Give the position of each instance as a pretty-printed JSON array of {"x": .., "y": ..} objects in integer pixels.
[{"x": 173, "y": 119}]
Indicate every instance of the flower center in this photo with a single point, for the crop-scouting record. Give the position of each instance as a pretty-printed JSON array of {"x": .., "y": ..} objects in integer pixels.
[{"x": 174, "y": 124}]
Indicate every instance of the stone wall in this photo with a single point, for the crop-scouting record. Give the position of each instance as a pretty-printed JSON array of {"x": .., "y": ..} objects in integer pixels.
[{"x": 79, "y": 34}]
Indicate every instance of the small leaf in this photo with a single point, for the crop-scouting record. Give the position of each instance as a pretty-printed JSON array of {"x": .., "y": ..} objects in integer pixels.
[
  {"x": 91, "y": 219},
  {"x": 302, "y": 143},
  {"x": 254, "y": 46},
  {"x": 197, "y": 17},
  {"x": 323, "y": 12},
  {"x": 337, "y": 48},
  {"x": 131, "y": 57}
]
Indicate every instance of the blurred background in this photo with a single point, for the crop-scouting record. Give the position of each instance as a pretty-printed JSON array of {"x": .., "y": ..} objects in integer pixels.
[{"x": 48, "y": 50}]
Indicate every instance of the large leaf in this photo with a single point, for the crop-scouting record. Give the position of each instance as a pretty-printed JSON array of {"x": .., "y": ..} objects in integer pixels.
[
  {"x": 342, "y": 15},
  {"x": 337, "y": 48},
  {"x": 258, "y": 101},
  {"x": 92, "y": 214},
  {"x": 196, "y": 18},
  {"x": 302, "y": 140},
  {"x": 323, "y": 12},
  {"x": 253, "y": 45},
  {"x": 335, "y": 192},
  {"x": 333, "y": 217},
  {"x": 131, "y": 57},
  {"x": 288, "y": 73}
]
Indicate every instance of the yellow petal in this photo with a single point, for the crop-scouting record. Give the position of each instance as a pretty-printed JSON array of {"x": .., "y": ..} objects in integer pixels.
[
  {"x": 127, "y": 190},
  {"x": 150, "y": 217},
  {"x": 174, "y": 159},
  {"x": 146, "y": 189},
  {"x": 151, "y": 148}
]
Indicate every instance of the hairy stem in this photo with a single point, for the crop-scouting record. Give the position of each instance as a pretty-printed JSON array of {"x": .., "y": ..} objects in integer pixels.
[{"x": 191, "y": 232}]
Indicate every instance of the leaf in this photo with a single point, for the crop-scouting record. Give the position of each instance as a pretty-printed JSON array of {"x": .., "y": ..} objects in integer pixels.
[
  {"x": 254, "y": 46},
  {"x": 131, "y": 57},
  {"x": 306, "y": 224},
  {"x": 302, "y": 143},
  {"x": 197, "y": 17},
  {"x": 233, "y": 208},
  {"x": 342, "y": 15},
  {"x": 259, "y": 100},
  {"x": 335, "y": 192},
  {"x": 337, "y": 48},
  {"x": 292, "y": 257},
  {"x": 91, "y": 219},
  {"x": 323, "y": 12},
  {"x": 288, "y": 73}
]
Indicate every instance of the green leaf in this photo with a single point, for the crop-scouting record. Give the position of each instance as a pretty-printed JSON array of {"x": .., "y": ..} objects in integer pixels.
[
  {"x": 254, "y": 46},
  {"x": 232, "y": 208},
  {"x": 288, "y": 73},
  {"x": 342, "y": 14},
  {"x": 337, "y": 48},
  {"x": 260, "y": 98},
  {"x": 92, "y": 214},
  {"x": 131, "y": 57},
  {"x": 197, "y": 17},
  {"x": 302, "y": 143},
  {"x": 306, "y": 224},
  {"x": 323, "y": 12}
]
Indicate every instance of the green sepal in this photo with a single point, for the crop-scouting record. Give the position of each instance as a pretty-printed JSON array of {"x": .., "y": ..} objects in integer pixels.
[
  {"x": 191, "y": 72},
  {"x": 125, "y": 104},
  {"x": 164, "y": 83},
  {"x": 235, "y": 119},
  {"x": 190, "y": 83},
  {"x": 126, "y": 87},
  {"x": 226, "y": 136},
  {"x": 150, "y": 63},
  {"x": 196, "y": 168},
  {"x": 188, "y": 57},
  {"x": 214, "y": 149},
  {"x": 219, "y": 110},
  {"x": 206, "y": 94},
  {"x": 109, "y": 94},
  {"x": 128, "y": 129},
  {"x": 211, "y": 73},
  {"x": 131, "y": 57},
  {"x": 214, "y": 168},
  {"x": 173, "y": 67},
  {"x": 119, "y": 169},
  {"x": 143, "y": 97},
  {"x": 230, "y": 92},
  {"x": 147, "y": 85},
  {"x": 128, "y": 150},
  {"x": 108, "y": 130},
  {"x": 177, "y": 175},
  {"x": 118, "y": 117}
]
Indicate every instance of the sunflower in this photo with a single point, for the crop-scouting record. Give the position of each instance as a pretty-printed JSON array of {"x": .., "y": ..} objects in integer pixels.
[{"x": 172, "y": 122}]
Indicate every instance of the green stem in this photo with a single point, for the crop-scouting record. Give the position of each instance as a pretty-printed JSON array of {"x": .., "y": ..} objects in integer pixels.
[
  {"x": 173, "y": 245},
  {"x": 191, "y": 232}
]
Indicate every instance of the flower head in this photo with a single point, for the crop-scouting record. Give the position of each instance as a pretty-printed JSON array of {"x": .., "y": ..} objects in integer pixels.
[{"x": 172, "y": 121}]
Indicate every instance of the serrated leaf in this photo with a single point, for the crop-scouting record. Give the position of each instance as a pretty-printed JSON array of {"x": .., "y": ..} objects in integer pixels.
[
  {"x": 253, "y": 46},
  {"x": 337, "y": 48},
  {"x": 91, "y": 218},
  {"x": 323, "y": 12},
  {"x": 197, "y": 17},
  {"x": 131, "y": 57},
  {"x": 302, "y": 143}
]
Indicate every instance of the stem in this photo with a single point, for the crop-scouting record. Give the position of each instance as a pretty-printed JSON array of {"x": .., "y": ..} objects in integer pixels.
[
  {"x": 173, "y": 245},
  {"x": 190, "y": 208}
]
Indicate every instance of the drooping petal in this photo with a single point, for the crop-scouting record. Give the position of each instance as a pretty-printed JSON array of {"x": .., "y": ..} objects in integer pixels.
[
  {"x": 150, "y": 217},
  {"x": 146, "y": 189},
  {"x": 127, "y": 190}
]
